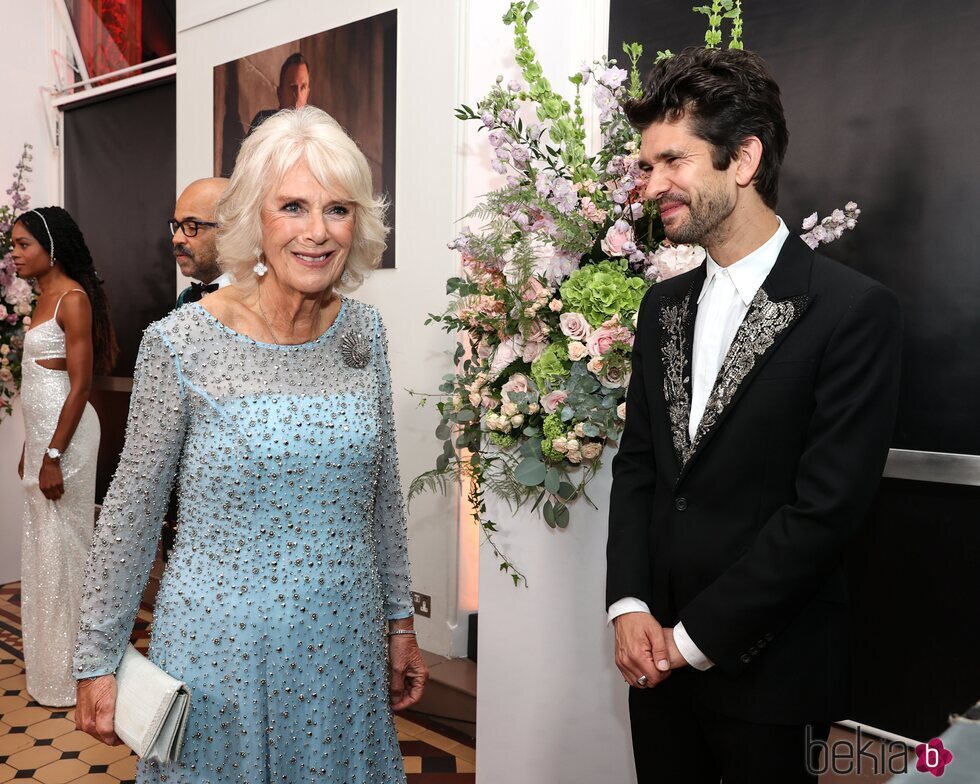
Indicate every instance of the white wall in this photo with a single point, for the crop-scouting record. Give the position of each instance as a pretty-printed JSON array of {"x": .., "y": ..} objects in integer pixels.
[
  {"x": 214, "y": 32},
  {"x": 29, "y": 33},
  {"x": 552, "y": 708}
]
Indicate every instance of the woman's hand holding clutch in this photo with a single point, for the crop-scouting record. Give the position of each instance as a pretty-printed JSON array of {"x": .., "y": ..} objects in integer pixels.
[
  {"x": 407, "y": 670},
  {"x": 95, "y": 708}
]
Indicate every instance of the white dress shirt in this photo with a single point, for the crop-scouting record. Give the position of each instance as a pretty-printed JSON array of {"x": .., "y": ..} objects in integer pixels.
[
  {"x": 722, "y": 305},
  {"x": 224, "y": 279}
]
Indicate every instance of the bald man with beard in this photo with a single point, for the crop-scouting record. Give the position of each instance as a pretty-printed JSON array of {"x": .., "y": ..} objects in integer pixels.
[{"x": 194, "y": 231}]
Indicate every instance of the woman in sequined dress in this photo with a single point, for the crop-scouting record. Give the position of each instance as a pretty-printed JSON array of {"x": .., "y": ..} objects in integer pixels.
[
  {"x": 285, "y": 603},
  {"x": 69, "y": 338}
]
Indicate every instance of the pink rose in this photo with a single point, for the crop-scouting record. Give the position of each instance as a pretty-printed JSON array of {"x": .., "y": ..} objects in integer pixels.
[
  {"x": 591, "y": 212},
  {"x": 508, "y": 351},
  {"x": 601, "y": 341},
  {"x": 618, "y": 235},
  {"x": 672, "y": 260},
  {"x": 615, "y": 378},
  {"x": 18, "y": 291},
  {"x": 591, "y": 450},
  {"x": 577, "y": 351},
  {"x": 534, "y": 291},
  {"x": 554, "y": 400},
  {"x": 575, "y": 326},
  {"x": 517, "y": 384},
  {"x": 533, "y": 350}
]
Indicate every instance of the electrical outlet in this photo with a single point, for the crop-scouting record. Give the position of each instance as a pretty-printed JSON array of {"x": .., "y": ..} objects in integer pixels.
[{"x": 423, "y": 604}]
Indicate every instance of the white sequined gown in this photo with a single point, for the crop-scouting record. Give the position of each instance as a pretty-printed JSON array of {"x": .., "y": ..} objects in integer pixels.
[
  {"x": 290, "y": 551},
  {"x": 57, "y": 534}
]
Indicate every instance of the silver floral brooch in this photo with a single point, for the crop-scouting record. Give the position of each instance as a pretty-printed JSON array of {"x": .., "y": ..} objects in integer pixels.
[{"x": 355, "y": 349}]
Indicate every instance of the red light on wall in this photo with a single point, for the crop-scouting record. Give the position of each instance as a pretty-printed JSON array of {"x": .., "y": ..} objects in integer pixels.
[{"x": 109, "y": 33}]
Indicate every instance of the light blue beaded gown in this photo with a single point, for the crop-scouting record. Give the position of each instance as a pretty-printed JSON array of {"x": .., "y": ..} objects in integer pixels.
[{"x": 290, "y": 551}]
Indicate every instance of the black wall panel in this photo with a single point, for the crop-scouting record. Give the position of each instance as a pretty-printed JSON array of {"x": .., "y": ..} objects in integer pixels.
[
  {"x": 120, "y": 170},
  {"x": 880, "y": 100}
]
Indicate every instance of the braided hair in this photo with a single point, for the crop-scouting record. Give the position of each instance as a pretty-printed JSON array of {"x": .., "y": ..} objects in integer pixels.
[{"x": 71, "y": 252}]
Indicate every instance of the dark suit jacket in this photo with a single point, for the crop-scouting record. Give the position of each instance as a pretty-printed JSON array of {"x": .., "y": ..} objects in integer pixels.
[{"x": 741, "y": 534}]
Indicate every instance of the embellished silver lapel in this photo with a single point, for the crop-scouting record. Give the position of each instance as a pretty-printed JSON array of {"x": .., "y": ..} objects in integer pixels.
[
  {"x": 763, "y": 323},
  {"x": 355, "y": 349},
  {"x": 675, "y": 353}
]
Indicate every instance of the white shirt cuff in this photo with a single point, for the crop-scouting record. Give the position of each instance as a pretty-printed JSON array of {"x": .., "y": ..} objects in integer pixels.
[
  {"x": 691, "y": 652},
  {"x": 625, "y": 605}
]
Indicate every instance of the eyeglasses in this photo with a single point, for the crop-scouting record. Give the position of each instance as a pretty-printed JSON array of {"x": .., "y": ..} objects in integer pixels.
[{"x": 189, "y": 226}]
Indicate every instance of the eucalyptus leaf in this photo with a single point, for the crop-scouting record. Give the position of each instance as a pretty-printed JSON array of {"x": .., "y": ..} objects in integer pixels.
[
  {"x": 530, "y": 472},
  {"x": 549, "y": 513},
  {"x": 552, "y": 480},
  {"x": 561, "y": 515},
  {"x": 566, "y": 491}
]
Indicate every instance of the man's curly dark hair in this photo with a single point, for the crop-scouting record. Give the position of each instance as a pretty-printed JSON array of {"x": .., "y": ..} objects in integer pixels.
[{"x": 726, "y": 95}]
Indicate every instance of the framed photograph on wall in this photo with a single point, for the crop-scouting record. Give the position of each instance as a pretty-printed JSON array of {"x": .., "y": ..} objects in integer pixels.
[{"x": 348, "y": 71}]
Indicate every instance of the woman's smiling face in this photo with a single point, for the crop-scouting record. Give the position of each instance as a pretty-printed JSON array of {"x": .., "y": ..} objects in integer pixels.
[{"x": 307, "y": 231}]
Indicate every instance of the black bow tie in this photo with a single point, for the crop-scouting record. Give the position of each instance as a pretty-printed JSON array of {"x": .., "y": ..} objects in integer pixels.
[{"x": 198, "y": 290}]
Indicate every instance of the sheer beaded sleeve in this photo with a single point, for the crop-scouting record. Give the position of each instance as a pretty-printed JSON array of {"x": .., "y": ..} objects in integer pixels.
[
  {"x": 389, "y": 508},
  {"x": 126, "y": 536}
]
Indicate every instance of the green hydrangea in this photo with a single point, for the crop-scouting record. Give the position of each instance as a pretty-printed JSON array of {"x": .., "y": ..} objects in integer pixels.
[
  {"x": 553, "y": 428},
  {"x": 503, "y": 440},
  {"x": 551, "y": 368},
  {"x": 600, "y": 291}
]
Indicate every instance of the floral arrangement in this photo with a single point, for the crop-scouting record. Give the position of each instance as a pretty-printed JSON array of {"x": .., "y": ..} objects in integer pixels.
[
  {"x": 16, "y": 295},
  {"x": 545, "y": 308}
]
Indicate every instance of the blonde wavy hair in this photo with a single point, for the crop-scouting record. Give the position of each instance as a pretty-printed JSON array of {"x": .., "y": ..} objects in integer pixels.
[{"x": 264, "y": 159}]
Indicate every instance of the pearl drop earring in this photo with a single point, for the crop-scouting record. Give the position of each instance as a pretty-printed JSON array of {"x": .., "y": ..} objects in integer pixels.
[{"x": 259, "y": 269}]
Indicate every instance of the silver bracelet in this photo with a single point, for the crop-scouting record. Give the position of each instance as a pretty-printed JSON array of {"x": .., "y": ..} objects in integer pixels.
[{"x": 393, "y": 632}]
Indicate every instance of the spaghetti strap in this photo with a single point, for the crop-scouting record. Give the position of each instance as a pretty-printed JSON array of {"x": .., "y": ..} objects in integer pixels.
[{"x": 58, "y": 304}]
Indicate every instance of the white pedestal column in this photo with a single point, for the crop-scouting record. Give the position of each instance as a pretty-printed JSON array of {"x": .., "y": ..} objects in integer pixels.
[{"x": 552, "y": 705}]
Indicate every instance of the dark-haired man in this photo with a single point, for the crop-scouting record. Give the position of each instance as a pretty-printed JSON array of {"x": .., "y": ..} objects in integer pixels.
[
  {"x": 759, "y": 415},
  {"x": 194, "y": 233},
  {"x": 293, "y": 91}
]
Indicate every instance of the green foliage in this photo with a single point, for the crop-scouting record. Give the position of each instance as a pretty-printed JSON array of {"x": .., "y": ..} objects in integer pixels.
[
  {"x": 552, "y": 367},
  {"x": 601, "y": 291},
  {"x": 716, "y": 12},
  {"x": 553, "y": 428},
  {"x": 536, "y": 250},
  {"x": 634, "y": 52},
  {"x": 503, "y": 440}
]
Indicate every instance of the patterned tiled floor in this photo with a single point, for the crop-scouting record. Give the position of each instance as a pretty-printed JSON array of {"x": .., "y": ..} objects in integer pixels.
[{"x": 40, "y": 744}]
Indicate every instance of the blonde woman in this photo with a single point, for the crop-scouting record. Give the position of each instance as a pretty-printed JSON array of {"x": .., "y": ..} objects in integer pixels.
[{"x": 285, "y": 604}]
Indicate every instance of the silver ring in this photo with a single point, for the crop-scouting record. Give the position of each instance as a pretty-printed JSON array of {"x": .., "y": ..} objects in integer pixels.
[{"x": 641, "y": 681}]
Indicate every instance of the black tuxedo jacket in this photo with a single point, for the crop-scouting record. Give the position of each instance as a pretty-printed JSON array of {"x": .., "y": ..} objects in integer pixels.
[{"x": 741, "y": 533}]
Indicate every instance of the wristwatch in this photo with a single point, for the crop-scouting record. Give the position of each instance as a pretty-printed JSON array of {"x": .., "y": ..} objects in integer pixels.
[{"x": 54, "y": 454}]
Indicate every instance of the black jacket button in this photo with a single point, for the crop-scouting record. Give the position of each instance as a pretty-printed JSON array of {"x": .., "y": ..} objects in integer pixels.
[
  {"x": 680, "y": 504},
  {"x": 746, "y": 659}
]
